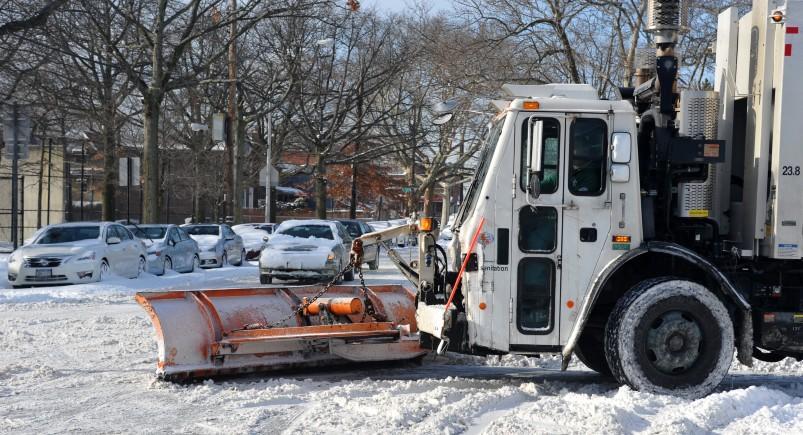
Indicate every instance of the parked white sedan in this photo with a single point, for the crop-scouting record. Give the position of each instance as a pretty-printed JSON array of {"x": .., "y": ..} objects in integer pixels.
[
  {"x": 77, "y": 253},
  {"x": 218, "y": 244}
]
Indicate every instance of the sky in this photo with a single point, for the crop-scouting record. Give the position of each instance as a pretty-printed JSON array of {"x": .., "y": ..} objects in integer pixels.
[{"x": 399, "y": 5}]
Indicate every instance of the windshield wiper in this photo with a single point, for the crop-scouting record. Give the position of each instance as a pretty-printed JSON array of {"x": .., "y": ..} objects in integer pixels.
[{"x": 140, "y": 231}]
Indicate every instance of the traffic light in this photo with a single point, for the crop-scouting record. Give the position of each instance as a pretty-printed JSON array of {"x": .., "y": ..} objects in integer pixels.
[{"x": 353, "y": 5}]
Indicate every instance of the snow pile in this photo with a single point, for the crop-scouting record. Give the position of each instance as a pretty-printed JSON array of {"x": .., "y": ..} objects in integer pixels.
[{"x": 82, "y": 359}]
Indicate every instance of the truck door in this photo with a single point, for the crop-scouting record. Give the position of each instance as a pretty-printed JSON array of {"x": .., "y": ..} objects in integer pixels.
[
  {"x": 536, "y": 236},
  {"x": 587, "y": 209}
]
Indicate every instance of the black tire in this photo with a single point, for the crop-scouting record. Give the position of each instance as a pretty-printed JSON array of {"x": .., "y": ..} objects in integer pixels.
[
  {"x": 670, "y": 336},
  {"x": 196, "y": 264},
  {"x": 224, "y": 260},
  {"x": 590, "y": 350},
  {"x": 373, "y": 265},
  {"x": 242, "y": 259},
  {"x": 141, "y": 267},
  {"x": 165, "y": 266},
  {"x": 104, "y": 265},
  {"x": 265, "y": 279}
]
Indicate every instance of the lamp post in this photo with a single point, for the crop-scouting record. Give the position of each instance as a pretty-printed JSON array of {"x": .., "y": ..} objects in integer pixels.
[{"x": 268, "y": 168}]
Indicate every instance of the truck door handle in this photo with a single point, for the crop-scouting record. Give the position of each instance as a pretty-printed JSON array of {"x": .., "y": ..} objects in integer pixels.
[{"x": 588, "y": 235}]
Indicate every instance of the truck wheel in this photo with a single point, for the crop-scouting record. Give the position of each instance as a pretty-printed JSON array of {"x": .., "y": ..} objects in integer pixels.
[
  {"x": 669, "y": 336},
  {"x": 590, "y": 350}
]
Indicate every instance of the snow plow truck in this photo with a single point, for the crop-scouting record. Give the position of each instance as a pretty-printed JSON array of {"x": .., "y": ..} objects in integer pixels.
[{"x": 653, "y": 237}]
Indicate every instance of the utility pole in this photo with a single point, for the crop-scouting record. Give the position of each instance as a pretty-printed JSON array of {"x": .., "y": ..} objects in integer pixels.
[
  {"x": 49, "y": 174},
  {"x": 232, "y": 137}
]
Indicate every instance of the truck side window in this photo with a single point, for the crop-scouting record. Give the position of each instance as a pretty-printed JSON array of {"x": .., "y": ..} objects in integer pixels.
[
  {"x": 536, "y": 286},
  {"x": 538, "y": 229},
  {"x": 587, "y": 165},
  {"x": 551, "y": 150}
]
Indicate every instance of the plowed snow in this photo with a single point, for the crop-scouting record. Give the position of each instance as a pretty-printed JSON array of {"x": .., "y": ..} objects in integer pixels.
[{"x": 81, "y": 358}]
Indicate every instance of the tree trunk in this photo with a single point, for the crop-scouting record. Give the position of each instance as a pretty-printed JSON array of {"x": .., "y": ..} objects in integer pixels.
[
  {"x": 109, "y": 173},
  {"x": 320, "y": 188},
  {"x": 353, "y": 202},
  {"x": 412, "y": 200},
  {"x": 427, "y": 202},
  {"x": 447, "y": 204},
  {"x": 150, "y": 162}
]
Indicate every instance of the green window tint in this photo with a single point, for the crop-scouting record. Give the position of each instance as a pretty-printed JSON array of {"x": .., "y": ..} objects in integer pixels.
[
  {"x": 551, "y": 154},
  {"x": 538, "y": 229},
  {"x": 536, "y": 286},
  {"x": 587, "y": 166}
]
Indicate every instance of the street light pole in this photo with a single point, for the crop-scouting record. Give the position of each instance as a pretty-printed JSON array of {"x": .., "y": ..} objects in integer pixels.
[
  {"x": 268, "y": 168},
  {"x": 83, "y": 179}
]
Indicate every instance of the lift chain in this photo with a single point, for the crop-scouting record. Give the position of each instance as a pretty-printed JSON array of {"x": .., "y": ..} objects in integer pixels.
[{"x": 300, "y": 310}]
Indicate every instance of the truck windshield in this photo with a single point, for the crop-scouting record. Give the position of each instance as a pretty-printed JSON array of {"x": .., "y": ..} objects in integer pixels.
[{"x": 484, "y": 160}]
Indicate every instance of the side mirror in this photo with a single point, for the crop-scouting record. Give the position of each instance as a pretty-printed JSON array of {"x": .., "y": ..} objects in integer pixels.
[
  {"x": 113, "y": 240},
  {"x": 620, "y": 173},
  {"x": 536, "y": 151},
  {"x": 535, "y": 164},
  {"x": 621, "y": 148}
]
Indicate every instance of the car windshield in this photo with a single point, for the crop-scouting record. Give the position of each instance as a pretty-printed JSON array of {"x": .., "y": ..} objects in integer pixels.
[
  {"x": 307, "y": 231},
  {"x": 203, "y": 230},
  {"x": 68, "y": 234},
  {"x": 149, "y": 232},
  {"x": 352, "y": 227}
]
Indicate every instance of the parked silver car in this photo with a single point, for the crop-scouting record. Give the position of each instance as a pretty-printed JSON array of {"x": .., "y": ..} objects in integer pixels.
[
  {"x": 218, "y": 244},
  {"x": 306, "y": 250},
  {"x": 75, "y": 253},
  {"x": 356, "y": 229},
  {"x": 254, "y": 235},
  {"x": 169, "y": 248}
]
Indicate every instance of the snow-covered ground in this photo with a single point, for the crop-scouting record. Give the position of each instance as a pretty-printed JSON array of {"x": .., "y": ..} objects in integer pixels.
[{"x": 82, "y": 358}]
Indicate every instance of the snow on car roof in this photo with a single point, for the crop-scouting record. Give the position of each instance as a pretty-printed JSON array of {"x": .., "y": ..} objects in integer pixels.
[{"x": 298, "y": 222}]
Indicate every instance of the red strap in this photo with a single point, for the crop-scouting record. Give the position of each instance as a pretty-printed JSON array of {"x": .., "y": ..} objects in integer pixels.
[{"x": 465, "y": 263}]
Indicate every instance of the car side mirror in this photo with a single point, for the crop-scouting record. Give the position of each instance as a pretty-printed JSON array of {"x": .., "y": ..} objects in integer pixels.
[{"x": 113, "y": 240}]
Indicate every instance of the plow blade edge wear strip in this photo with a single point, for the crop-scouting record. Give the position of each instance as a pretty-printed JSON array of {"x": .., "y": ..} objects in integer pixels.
[{"x": 205, "y": 333}]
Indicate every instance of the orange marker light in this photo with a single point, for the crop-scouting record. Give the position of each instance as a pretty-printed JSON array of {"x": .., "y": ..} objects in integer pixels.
[
  {"x": 483, "y": 305},
  {"x": 777, "y": 17},
  {"x": 531, "y": 105},
  {"x": 621, "y": 239},
  {"x": 426, "y": 224},
  {"x": 570, "y": 304}
]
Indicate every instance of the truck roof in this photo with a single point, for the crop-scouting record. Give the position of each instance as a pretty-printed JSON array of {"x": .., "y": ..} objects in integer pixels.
[{"x": 577, "y": 98}]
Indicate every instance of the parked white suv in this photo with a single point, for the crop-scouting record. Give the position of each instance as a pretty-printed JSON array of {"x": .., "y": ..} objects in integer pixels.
[{"x": 76, "y": 253}]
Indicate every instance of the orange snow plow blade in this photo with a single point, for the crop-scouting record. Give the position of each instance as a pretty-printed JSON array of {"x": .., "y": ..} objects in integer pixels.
[{"x": 207, "y": 333}]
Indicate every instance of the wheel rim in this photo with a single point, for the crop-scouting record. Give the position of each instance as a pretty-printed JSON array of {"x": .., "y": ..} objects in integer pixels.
[
  {"x": 196, "y": 263},
  {"x": 104, "y": 269},
  {"x": 673, "y": 342},
  {"x": 141, "y": 267},
  {"x": 168, "y": 264}
]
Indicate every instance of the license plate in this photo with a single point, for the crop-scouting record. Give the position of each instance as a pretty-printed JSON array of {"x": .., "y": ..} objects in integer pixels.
[{"x": 44, "y": 273}]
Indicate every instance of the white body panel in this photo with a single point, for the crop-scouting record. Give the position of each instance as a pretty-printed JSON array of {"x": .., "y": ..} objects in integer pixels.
[{"x": 785, "y": 203}]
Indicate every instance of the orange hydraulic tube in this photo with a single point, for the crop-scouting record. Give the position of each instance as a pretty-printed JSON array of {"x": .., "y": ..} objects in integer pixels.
[{"x": 336, "y": 306}]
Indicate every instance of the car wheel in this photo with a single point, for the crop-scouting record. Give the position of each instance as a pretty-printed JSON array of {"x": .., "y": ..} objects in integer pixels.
[
  {"x": 196, "y": 264},
  {"x": 224, "y": 260},
  {"x": 141, "y": 266},
  {"x": 167, "y": 265},
  {"x": 104, "y": 270},
  {"x": 670, "y": 336},
  {"x": 265, "y": 279},
  {"x": 242, "y": 258},
  {"x": 373, "y": 265}
]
